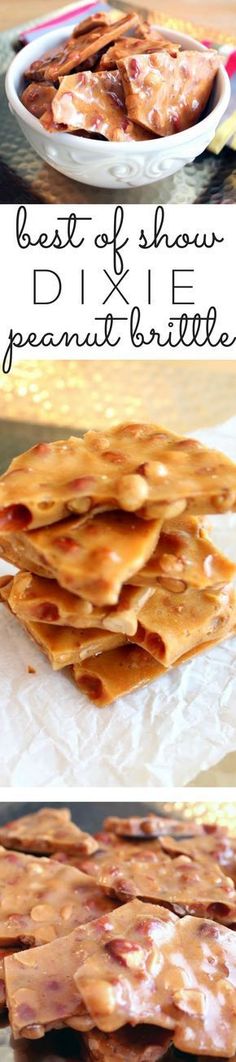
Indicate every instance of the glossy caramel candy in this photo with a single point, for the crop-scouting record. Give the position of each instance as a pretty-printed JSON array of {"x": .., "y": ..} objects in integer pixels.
[
  {"x": 140, "y": 964},
  {"x": 114, "y": 673},
  {"x": 168, "y": 94},
  {"x": 150, "y": 825},
  {"x": 180, "y": 975},
  {"x": 153, "y": 42},
  {"x": 80, "y": 47},
  {"x": 185, "y": 556},
  {"x": 217, "y": 846},
  {"x": 94, "y": 102},
  {"x": 92, "y": 558},
  {"x": 127, "y": 668},
  {"x": 136, "y": 467},
  {"x": 42, "y": 899},
  {"x": 65, "y": 646},
  {"x": 45, "y": 831},
  {"x": 43, "y": 600},
  {"x": 181, "y": 883},
  {"x": 171, "y": 625}
]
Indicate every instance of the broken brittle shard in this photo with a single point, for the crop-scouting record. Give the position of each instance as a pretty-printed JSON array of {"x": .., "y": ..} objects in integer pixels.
[
  {"x": 167, "y": 94},
  {"x": 42, "y": 899},
  {"x": 136, "y": 467},
  {"x": 92, "y": 558},
  {"x": 45, "y": 831},
  {"x": 40, "y": 600},
  {"x": 139, "y": 964}
]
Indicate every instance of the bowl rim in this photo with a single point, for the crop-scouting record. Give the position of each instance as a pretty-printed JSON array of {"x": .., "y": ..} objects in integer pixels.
[{"x": 89, "y": 144}]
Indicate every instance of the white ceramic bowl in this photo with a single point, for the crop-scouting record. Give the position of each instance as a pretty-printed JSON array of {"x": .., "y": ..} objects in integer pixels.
[{"x": 100, "y": 162}]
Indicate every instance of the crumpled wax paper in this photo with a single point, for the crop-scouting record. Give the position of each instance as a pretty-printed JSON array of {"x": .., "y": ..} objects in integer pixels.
[{"x": 163, "y": 734}]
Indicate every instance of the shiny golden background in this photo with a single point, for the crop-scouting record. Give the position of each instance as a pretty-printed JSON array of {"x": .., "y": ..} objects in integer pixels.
[
  {"x": 182, "y": 395},
  {"x": 222, "y": 813}
]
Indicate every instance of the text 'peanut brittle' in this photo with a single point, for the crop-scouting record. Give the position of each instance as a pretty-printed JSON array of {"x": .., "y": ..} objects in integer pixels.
[
  {"x": 135, "y": 467},
  {"x": 45, "y": 831}
]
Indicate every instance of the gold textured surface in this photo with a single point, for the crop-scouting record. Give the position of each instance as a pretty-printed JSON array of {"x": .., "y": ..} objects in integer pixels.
[
  {"x": 222, "y": 813},
  {"x": 184, "y": 395}
]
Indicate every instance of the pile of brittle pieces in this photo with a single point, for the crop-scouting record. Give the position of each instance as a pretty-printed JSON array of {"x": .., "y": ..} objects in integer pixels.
[
  {"x": 119, "y": 580},
  {"x": 127, "y": 938},
  {"x": 118, "y": 79}
]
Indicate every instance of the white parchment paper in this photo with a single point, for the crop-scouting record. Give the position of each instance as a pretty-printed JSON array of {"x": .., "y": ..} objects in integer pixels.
[{"x": 163, "y": 734}]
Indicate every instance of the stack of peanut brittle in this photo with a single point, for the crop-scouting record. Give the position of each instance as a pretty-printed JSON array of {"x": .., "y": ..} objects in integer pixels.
[
  {"x": 127, "y": 938},
  {"x": 118, "y": 578},
  {"x": 118, "y": 79}
]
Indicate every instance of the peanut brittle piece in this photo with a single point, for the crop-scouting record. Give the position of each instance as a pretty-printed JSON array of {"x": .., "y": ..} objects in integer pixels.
[
  {"x": 141, "y": 964},
  {"x": 42, "y": 899},
  {"x": 75, "y": 51},
  {"x": 4, "y": 953},
  {"x": 132, "y": 46},
  {"x": 37, "y": 98},
  {"x": 40, "y": 485},
  {"x": 219, "y": 847},
  {"x": 43, "y": 600},
  {"x": 136, "y": 467},
  {"x": 95, "y": 103},
  {"x": 92, "y": 558},
  {"x": 176, "y": 975},
  {"x": 65, "y": 646},
  {"x": 150, "y": 825},
  {"x": 185, "y": 556},
  {"x": 43, "y": 979},
  {"x": 100, "y": 20},
  {"x": 181, "y": 883},
  {"x": 122, "y": 670},
  {"x": 120, "y": 851},
  {"x": 97, "y": 862},
  {"x": 167, "y": 94},
  {"x": 171, "y": 625},
  {"x": 164, "y": 474},
  {"x": 145, "y": 1043},
  {"x": 40, "y": 989},
  {"x": 46, "y": 830}
]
